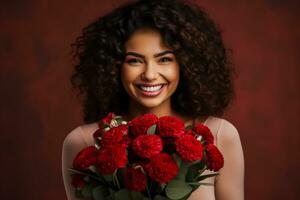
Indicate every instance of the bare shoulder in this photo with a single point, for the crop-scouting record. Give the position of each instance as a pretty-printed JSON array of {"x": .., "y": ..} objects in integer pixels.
[
  {"x": 230, "y": 181},
  {"x": 228, "y": 133},
  {"x": 73, "y": 137},
  {"x": 91, "y": 127},
  {"x": 73, "y": 143},
  {"x": 223, "y": 130},
  {"x": 81, "y": 134}
]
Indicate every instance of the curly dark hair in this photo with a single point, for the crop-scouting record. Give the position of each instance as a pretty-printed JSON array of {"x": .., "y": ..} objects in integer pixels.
[{"x": 206, "y": 76}]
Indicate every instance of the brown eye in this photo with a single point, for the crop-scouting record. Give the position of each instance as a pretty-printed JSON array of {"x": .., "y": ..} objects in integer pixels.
[
  {"x": 132, "y": 61},
  {"x": 165, "y": 59}
]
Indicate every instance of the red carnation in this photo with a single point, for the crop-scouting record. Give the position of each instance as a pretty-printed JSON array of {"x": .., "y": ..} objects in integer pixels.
[
  {"x": 189, "y": 132},
  {"x": 115, "y": 135},
  {"x": 162, "y": 168},
  {"x": 107, "y": 120},
  {"x": 169, "y": 145},
  {"x": 170, "y": 126},
  {"x": 139, "y": 125},
  {"x": 111, "y": 158},
  {"x": 85, "y": 158},
  {"x": 205, "y": 132},
  {"x": 135, "y": 179},
  {"x": 98, "y": 133},
  {"x": 214, "y": 160},
  {"x": 104, "y": 122},
  {"x": 78, "y": 181},
  {"x": 189, "y": 148},
  {"x": 147, "y": 146}
]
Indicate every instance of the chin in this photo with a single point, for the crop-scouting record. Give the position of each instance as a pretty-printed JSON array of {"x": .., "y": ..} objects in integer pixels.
[{"x": 150, "y": 103}]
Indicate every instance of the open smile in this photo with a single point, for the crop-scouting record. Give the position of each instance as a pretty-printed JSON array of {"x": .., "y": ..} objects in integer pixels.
[{"x": 151, "y": 91}]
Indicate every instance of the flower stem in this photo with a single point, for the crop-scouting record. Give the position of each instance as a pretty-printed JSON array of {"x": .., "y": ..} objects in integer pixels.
[
  {"x": 200, "y": 172},
  {"x": 86, "y": 174},
  {"x": 115, "y": 177},
  {"x": 148, "y": 192}
]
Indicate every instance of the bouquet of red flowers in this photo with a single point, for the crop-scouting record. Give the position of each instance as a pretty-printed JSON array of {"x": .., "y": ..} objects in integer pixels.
[{"x": 146, "y": 158}]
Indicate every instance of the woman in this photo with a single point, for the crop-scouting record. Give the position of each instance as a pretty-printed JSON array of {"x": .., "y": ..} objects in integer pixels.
[{"x": 164, "y": 57}]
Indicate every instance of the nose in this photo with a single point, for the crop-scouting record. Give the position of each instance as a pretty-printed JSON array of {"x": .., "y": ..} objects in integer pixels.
[{"x": 150, "y": 72}]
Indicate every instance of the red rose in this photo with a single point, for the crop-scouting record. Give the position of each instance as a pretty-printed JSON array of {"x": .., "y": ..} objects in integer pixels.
[
  {"x": 85, "y": 158},
  {"x": 135, "y": 179},
  {"x": 147, "y": 146},
  {"x": 115, "y": 135},
  {"x": 189, "y": 148},
  {"x": 205, "y": 132},
  {"x": 214, "y": 158},
  {"x": 111, "y": 158},
  {"x": 170, "y": 126},
  {"x": 139, "y": 125},
  {"x": 78, "y": 181},
  {"x": 162, "y": 168}
]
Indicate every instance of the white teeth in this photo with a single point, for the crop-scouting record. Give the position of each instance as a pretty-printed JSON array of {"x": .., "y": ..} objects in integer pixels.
[{"x": 151, "y": 89}]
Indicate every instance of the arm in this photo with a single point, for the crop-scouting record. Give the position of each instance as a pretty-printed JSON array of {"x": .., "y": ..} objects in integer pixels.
[
  {"x": 72, "y": 144},
  {"x": 230, "y": 182}
]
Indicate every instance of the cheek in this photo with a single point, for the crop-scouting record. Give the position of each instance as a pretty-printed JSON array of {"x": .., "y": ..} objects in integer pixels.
[
  {"x": 173, "y": 73},
  {"x": 128, "y": 74},
  {"x": 125, "y": 74}
]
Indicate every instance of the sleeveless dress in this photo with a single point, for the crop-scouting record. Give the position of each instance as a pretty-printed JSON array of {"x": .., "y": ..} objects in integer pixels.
[{"x": 82, "y": 136}]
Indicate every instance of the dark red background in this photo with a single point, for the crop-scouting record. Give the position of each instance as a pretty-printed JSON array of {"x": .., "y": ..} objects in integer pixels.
[{"x": 38, "y": 108}]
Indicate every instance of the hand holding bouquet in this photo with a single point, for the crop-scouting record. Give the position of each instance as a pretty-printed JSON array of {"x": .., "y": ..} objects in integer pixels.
[{"x": 144, "y": 159}]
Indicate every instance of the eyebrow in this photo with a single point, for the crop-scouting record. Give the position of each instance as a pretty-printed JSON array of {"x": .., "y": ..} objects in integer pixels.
[{"x": 155, "y": 55}]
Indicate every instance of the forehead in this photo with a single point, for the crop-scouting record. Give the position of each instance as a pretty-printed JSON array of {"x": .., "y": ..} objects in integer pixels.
[{"x": 145, "y": 40}]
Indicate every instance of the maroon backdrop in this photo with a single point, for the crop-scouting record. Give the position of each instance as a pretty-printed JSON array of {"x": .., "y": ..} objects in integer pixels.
[{"x": 38, "y": 108}]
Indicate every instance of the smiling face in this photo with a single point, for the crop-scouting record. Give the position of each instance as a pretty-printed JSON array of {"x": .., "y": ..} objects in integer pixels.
[{"x": 150, "y": 72}]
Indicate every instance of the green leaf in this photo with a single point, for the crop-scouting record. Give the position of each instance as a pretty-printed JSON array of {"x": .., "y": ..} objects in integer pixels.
[
  {"x": 78, "y": 193},
  {"x": 191, "y": 173},
  {"x": 100, "y": 192},
  {"x": 199, "y": 164},
  {"x": 122, "y": 194},
  {"x": 182, "y": 171},
  {"x": 108, "y": 177},
  {"x": 195, "y": 185},
  {"x": 151, "y": 129},
  {"x": 177, "y": 189},
  {"x": 200, "y": 178},
  {"x": 136, "y": 195},
  {"x": 110, "y": 197},
  {"x": 177, "y": 159},
  {"x": 87, "y": 190},
  {"x": 196, "y": 168},
  {"x": 158, "y": 197},
  {"x": 119, "y": 120}
]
